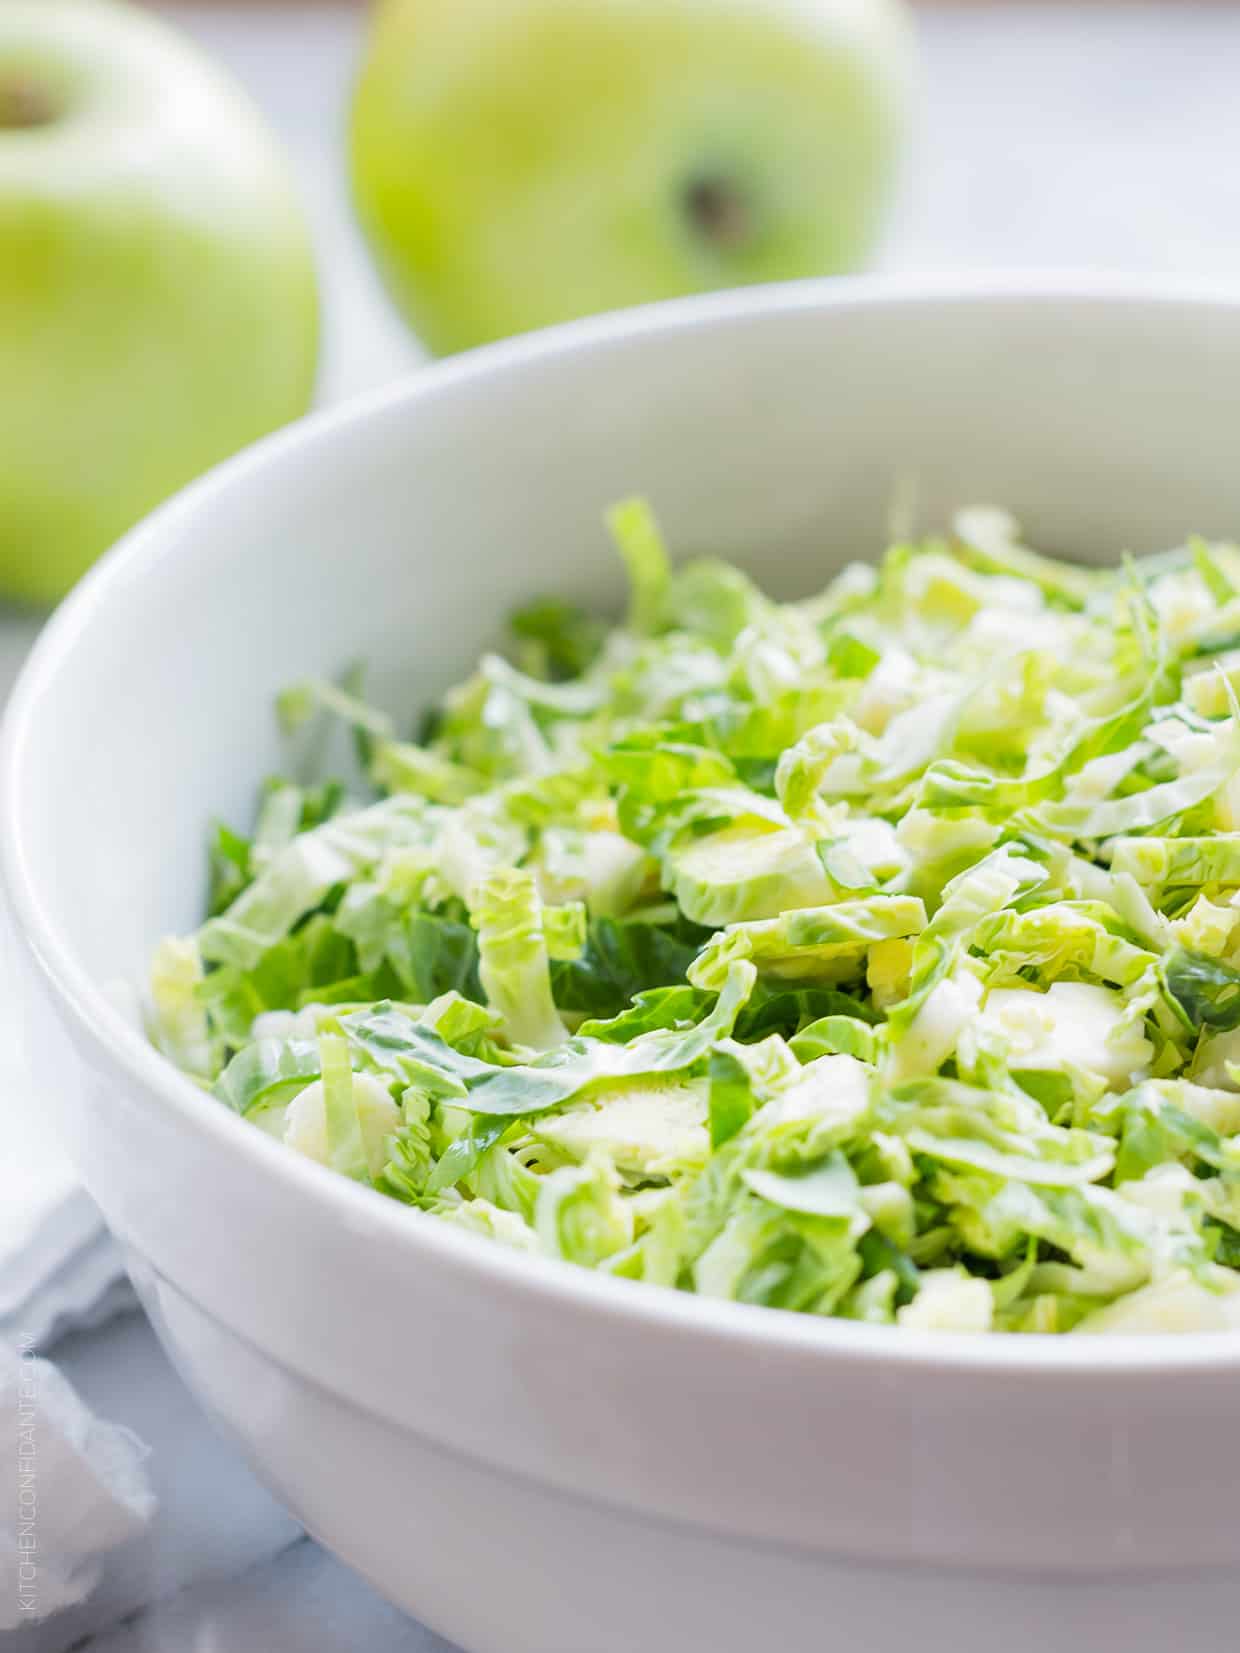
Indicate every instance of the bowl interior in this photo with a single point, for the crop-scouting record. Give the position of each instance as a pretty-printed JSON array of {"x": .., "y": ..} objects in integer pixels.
[{"x": 775, "y": 429}]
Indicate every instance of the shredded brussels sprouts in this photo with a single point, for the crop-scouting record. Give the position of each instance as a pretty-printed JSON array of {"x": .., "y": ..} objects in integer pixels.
[{"x": 875, "y": 955}]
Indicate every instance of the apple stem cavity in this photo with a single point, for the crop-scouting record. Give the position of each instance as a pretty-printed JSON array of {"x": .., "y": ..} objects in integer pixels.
[
  {"x": 718, "y": 211},
  {"x": 24, "y": 103}
]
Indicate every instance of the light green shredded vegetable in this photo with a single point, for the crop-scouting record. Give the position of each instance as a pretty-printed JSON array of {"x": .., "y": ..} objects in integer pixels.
[{"x": 875, "y": 955}]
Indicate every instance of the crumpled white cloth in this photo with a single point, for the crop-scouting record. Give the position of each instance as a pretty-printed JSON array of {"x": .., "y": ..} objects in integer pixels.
[{"x": 79, "y": 1487}]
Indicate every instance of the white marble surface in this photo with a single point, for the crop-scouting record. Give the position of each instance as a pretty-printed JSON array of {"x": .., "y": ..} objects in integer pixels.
[{"x": 1053, "y": 135}]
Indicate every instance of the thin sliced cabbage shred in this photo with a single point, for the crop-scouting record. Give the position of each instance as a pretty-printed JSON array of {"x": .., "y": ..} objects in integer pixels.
[{"x": 875, "y": 955}]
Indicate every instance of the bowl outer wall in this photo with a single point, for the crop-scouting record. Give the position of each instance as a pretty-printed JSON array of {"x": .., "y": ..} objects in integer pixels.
[{"x": 776, "y": 428}]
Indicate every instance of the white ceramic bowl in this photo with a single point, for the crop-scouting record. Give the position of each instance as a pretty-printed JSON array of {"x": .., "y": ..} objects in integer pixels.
[{"x": 533, "y": 1459}]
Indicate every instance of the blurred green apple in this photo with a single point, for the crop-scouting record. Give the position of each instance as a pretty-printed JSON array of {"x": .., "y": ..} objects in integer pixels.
[
  {"x": 157, "y": 294},
  {"x": 519, "y": 162}
]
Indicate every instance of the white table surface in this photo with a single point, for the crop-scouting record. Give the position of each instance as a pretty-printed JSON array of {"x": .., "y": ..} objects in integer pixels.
[{"x": 1053, "y": 135}]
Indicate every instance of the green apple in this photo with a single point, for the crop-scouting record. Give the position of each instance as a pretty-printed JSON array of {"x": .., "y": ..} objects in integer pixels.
[
  {"x": 157, "y": 294},
  {"x": 519, "y": 162}
]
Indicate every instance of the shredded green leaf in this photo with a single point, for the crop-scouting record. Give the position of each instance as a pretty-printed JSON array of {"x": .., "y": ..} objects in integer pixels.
[{"x": 875, "y": 955}]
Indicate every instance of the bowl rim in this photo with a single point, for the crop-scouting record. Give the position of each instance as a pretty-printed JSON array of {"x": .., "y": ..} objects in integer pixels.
[{"x": 542, "y": 1280}]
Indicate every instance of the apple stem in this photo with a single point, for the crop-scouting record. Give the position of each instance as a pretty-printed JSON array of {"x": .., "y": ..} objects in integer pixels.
[
  {"x": 23, "y": 103},
  {"x": 718, "y": 211}
]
